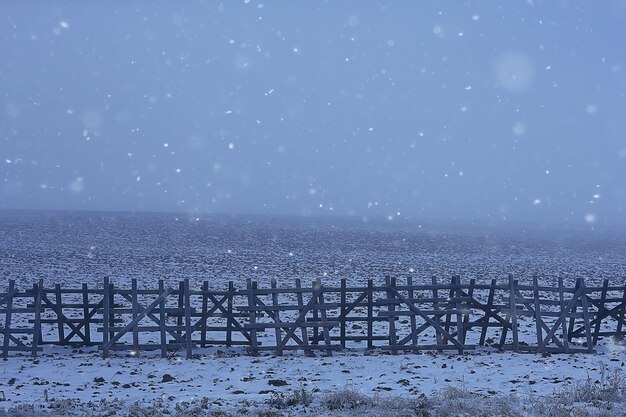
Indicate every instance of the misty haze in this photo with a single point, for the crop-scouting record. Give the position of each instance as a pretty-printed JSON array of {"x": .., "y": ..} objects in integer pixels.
[
  {"x": 473, "y": 111},
  {"x": 336, "y": 208}
]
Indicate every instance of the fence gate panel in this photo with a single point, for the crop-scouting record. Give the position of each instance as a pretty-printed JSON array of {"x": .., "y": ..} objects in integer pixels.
[
  {"x": 21, "y": 328},
  {"x": 311, "y": 319}
]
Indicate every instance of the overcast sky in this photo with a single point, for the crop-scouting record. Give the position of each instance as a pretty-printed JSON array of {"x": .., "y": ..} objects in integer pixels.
[{"x": 490, "y": 110}]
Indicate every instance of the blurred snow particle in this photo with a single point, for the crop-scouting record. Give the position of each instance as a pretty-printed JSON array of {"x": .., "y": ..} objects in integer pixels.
[
  {"x": 77, "y": 185},
  {"x": 353, "y": 21},
  {"x": 92, "y": 120},
  {"x": 514, "y": 72},
  {"x": 590, "y": 218},
  {"x": 437, "y": 30},
  {"x": 591, "y": 108},
  {"x": 519, "y": 128},
  {"x": 391, "y": 43},
  {"x": 476, "y": 17},
  {"x": 11, "y": 110},
  {"x": 536, "y": 201},
  {"x": 243, "y": 62},
  {"x": 64, "y": 24},
  {"x": 231, "y": 146}
]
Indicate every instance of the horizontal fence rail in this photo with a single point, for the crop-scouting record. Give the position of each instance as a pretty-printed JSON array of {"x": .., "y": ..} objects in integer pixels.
[{"x": 398, "y": 316}]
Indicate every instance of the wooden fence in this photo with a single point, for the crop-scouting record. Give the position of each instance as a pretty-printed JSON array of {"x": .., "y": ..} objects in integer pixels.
[{"x": 391, "y": 315}]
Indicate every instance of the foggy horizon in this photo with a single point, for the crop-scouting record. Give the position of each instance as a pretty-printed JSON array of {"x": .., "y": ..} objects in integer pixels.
[{"x": 501, "y": 113}]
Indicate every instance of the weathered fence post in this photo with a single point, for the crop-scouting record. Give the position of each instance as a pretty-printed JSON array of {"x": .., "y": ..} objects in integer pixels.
[
  {"x": 135, "y": 313},
  {"x": 303, "y": 329},
  {"x": 230, "y": 319},
  {"x": 59, "y": 312},
  {"x": 86, "y": 314},
  {"x": 436, "y": 308},
  {"x": 370, "y": 314},
  {"x": 489, "y": 307},
  {"x": 342, "y": 314},
  {"x": 251, "y": 286},
  {"x": 106, "y": 314},
  {"x": 587, "y": 322},
  {"x": 37, "y": 324},
  {"x": 188, "y": 324},
  {"x": 413, "y": 319},
  {"x": 391, "y": 307},
  {"x": 564, "y": 313},
  {"x": 205, "y": 307},
  {"x": 276, "y": 313},
  {"x": 538, "y": 318},
  {"x": 513, "y": 308},
  {"x": 162, "y": 320}
]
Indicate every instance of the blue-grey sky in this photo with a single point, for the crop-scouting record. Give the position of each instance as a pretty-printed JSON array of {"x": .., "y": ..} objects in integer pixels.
[{"x": 488, "y": 110}]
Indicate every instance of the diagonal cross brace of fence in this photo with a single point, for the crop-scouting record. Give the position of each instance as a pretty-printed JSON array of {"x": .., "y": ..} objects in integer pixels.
[{"x": 393, "y": 315}]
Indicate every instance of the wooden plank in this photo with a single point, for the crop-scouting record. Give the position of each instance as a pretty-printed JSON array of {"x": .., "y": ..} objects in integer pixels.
[
  {"x": 538, "y": 318},
  {"x": 60, "y": 325},
  {"x": 274, "y": 286},
  {"x": 572, "y": 315},
  {"x": 513, "y": 309},
  {"x": 105, "y": 318},
  {"x": 37, "y": 323},
  {"x": 162, "y": 320},
  {"x": 370, "y": 313},
  {"x": 181, "y": 306},
  {"x": 7, "y": 318},
  {"x": 563, "y": 315},
  {"x": 489, "y": 307},
  {"x": 448, "y": 320},
  {"x": 586, "y": 320},
  {"x": 343, "y": 313},
  {"x": 390, "y": 283},
  {"x": 135, "y": 313},
  {"x": 596, "y": 330},
  {"x": 620, "y": 321},
  {"x": 86, "y": 312},
  {"x": 205, "y": 314},
  {"x": 435, "y": 291},
  {"x": 459, "y": 315},
  {"x": 323, "y": 312},
  {"x": 303, "y": 329},
  {"x": 412, "y": 319},
  {"x": 466, "y": 316},
  {"x": 188, "y": 331},
  {"x": 252, "y": 286},
  {"x": 229, "y": 318}
]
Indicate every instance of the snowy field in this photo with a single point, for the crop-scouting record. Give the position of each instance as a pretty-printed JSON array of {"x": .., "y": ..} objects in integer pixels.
[{"x": 71, "y": 248}]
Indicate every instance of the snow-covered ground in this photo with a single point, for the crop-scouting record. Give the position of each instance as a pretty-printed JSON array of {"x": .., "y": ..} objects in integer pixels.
[{"x": 227, "y": 378}]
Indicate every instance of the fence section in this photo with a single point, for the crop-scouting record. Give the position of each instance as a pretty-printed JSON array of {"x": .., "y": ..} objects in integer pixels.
[{"x": 392, "y": 315}]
